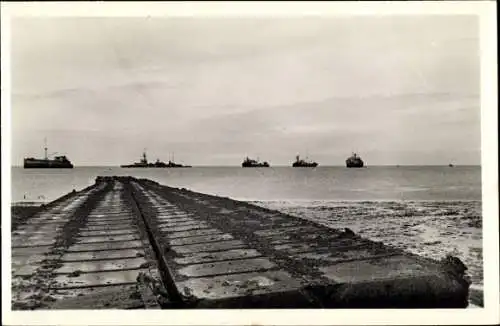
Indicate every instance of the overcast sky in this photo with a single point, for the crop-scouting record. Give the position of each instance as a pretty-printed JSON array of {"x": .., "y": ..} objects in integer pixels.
[{"x": 398, "y": 90}]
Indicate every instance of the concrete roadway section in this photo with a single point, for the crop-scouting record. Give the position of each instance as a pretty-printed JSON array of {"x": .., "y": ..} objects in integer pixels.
[
  {"x": 131, "y": 243},
  {"x": 225, "y": 253},
  {"x": 99, "y": 264}
]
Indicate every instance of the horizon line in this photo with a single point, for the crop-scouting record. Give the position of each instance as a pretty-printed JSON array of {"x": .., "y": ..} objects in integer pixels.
[{"x": 271, "y": 166}]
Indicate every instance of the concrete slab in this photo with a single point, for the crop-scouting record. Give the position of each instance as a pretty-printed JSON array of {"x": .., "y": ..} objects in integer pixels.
[
  {"x": 32, "y": 232},
  {"x": 184, "y": 228},
  {"x": 101, "y": 265},
  {"x": 335, "y": 257},
  {"x": 96, "y": 279},
  {"x": 182, "y": 223},
  {"x": 239, "y": 285},
  {"x": 117, "y": 222},
  {"x": 174, "y": 215},
  {"x": 110, "y": 219},
  {"x": 49, "y": 221},
  {"x": 191, "y": 233},
  {"x": 106, "y": 213},
  {"x": 28, "y": 251},
  {"x": 33, "y": 243},
  {"x": 339, "y": 249},
  {"x": 266, "y": 223},
  {"x": 33, "y": 237},
  {"x": 43, "y": 222},
  {"x": 27, "y": 260},
  {"x": 108, "y": 297},
  {"x": 281, "y": 241},
  {"x": 100, "y": 255},
  {"x": 227, "y": 267},
  {"x": 51, "y": 217},
  {"x": 288, "y": 230},
  {"x": 105, "y": 246},
  {"x": 25, "y": 270},
  {"x": 200, "y": 239},
  {"x": 125, "y": 237},
  {"x": 204, "y": 257},
  {"x": 105, "y": 227},
  {"x": 107, "y": 209},
  {"x": 378, "y": 269},
  {"x": 161, "y": 208},
  {"x": 106, "y": 233},
  {"x": 49, "y": 214},
  {"x": 175, "y": 219},
  {"x": 46, "y": 213},
  {"x": 297, "y": 247},
  {"x": 212, "y": 246}
]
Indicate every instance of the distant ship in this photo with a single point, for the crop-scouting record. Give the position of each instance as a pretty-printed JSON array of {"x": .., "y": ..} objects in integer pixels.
[
  {"x": 354, "y": 161},
  {"x": 450, "y": 165},
  {"x": 158, "y": 164},
  {"x": 303, "y": 163},
  {"x": 59, "y": 162},
  {"x": 250, "y": 163}
]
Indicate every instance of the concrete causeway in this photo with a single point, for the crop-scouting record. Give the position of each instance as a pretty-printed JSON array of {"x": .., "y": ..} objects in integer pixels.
[{"x": 127, "y": 243}]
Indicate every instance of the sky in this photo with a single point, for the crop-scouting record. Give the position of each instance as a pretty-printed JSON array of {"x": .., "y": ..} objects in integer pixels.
[{"x": 395, "y": 89}]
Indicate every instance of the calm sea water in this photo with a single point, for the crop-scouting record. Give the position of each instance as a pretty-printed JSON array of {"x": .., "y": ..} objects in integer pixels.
[{"x": 271, "y": 184}]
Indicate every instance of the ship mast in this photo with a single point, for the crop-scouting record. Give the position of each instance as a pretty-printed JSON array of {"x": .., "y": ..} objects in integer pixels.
[{"x": 45, "y": 148}]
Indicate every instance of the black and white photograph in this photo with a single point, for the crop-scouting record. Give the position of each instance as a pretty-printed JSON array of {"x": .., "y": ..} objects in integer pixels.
[{"x": 248, "y": 162}]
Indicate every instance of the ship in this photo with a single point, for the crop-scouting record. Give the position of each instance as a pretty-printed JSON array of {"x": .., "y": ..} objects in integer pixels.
[
  {"x": 58, "y": 162},
  {"x": 354, "y": 161},
  {"x": 158, "y": 164},
  {"x": 250, "y": 163},
  {"x": 303, "y": 163}
]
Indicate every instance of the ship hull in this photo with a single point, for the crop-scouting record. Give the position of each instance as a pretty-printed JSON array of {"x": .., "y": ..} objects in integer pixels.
[
  {"x": 155, "y": 166},
  {"x": 255, "y": 166},
  {"x": 312, "y": 165},
  {"x": 46, "y": 165},
  {"x": 354, "y": 164}
]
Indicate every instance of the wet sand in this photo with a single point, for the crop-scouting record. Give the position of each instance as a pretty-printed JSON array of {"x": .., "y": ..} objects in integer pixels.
[{"x": 428, "y": 228}]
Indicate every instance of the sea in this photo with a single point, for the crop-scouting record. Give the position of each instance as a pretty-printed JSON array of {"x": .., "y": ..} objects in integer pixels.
[
  {"x": 428, "y": 210},
  {"x": 271, "y": 184}
]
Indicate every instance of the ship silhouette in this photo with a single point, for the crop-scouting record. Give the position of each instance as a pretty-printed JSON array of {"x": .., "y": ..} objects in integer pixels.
[
  {"x": 251, "y": 163},
  {"x": 354, "y": 161},
  {"x": 303, "y": 163},
  {"x": 158, "y": 164},
  {"x": 58, "y": 162}
]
